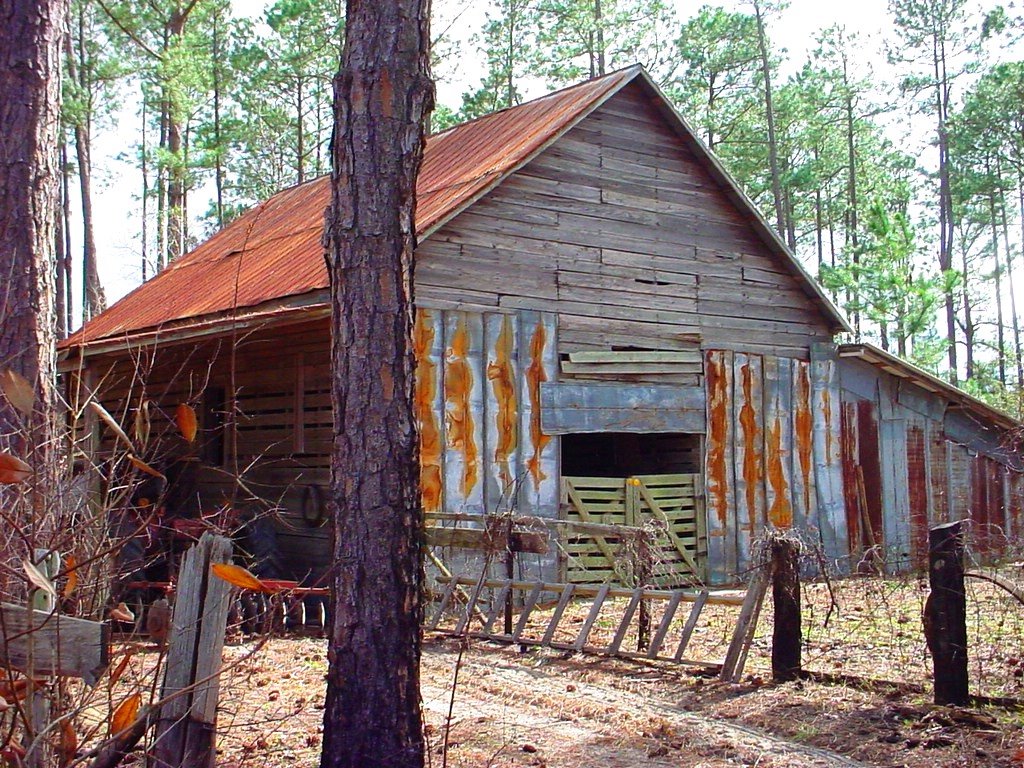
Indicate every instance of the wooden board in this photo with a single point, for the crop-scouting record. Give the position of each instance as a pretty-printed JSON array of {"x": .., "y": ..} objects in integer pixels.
[{"x": 60, "y": 645}]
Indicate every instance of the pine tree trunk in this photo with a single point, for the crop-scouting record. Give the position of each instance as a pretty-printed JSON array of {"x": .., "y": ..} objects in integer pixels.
[
  {"x": 383, "y": 97},
  {"x": 30, "y": 44},
  {"x": 769, "y": 111}
]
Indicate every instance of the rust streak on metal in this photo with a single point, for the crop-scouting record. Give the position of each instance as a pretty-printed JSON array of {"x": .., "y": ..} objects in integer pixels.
[
  {"x": 848, "y": 438},
  {"x": 718, "y": 434},
  {"x": 501, "y": 374},
  {"x": 781, "y": 512},
  {"x": 535, "y": 375},
  {"x": 917, "y": 493},
  {"x": 458, "y": 389},
  {"x": 752, "y": 459},
  {"x": 826, "y": 412},
  {"x": 426, "y": 418},
  {"x": 804, "y": 427}
]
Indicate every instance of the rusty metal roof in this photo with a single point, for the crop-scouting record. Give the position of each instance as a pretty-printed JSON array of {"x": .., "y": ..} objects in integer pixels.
[
  {"x": 900, "y": 368},
  {"x": 274, "y": 249},
  {"x": 272, "y": 258}
]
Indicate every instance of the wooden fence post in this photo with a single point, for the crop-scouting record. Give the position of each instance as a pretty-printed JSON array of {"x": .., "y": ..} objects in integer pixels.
[
  {"x": 786, "y": 634},
  {"x": 945, "y": 613},
  {"x": 186, "y": 729}
]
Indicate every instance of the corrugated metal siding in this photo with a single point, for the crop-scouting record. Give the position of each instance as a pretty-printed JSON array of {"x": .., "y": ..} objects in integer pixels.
[
  {"x": 772, "y": 456},
  {"x": 478, "y": 409}
]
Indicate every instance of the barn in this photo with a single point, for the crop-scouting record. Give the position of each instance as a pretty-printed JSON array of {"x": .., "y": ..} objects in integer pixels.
[{"x": 606, "y": 331}]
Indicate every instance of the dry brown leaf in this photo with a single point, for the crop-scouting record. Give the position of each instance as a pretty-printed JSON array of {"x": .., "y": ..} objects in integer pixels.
[
  {"x": 120, "y": 668},
  {"x": 109, "y": 420},
  {"x": 71, "y": 569},
  {"x": 238, "y": 576},
  {"x": 142, "y": 423},
  {"x": 126, "y": 713},
  {"x": 38, "y": 578},
  {"x": 122, "y": 612},
  {"x": 68, "y": 742},
  {"x": 13, "y": 469},
  {"x": 185, "y": 415},
  {"x": 18, "y": 391},
  {"x": 142, "y": 466}
]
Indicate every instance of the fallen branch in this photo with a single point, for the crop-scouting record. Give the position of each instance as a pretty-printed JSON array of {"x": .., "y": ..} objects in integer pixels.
[{"x": 1014, "y": 589}]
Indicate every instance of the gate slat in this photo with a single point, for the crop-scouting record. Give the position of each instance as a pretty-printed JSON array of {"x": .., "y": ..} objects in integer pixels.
[
  {"x": 499, "y": 603},
  {"x": 445, "y": 599}
]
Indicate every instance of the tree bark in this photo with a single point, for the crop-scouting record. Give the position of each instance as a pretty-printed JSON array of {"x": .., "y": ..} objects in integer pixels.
[
  {"x": 30, "y": 43},
  {"x": 945, "y": 613},
  {"x": 383, "y": 97}
]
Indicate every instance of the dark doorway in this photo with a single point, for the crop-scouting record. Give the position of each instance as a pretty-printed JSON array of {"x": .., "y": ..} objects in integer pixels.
[{"x": 623, "y": 454}]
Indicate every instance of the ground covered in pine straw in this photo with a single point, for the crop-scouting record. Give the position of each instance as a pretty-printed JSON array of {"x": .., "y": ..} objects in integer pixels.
[{"x": 541, "y": 708}]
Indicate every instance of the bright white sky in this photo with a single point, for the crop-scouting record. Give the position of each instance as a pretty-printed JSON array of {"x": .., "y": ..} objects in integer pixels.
[{"x": 118, "y": 181}]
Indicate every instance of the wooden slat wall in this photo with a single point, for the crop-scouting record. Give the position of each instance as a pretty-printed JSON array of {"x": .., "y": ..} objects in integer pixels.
[{"x": 619, "y": 230}]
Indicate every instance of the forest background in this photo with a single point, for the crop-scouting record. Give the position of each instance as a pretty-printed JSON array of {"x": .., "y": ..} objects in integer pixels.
[{"x": 883, "y": 141}]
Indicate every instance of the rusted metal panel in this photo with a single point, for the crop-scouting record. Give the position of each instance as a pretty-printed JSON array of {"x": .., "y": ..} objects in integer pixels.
[
  {"x": 578, "y": 407},
  {"x": 918, "y": 487},
  {"x": 463, "y": 412},
  {"x": 959, "y": 481},
  {"x": 804, "y": 493},
  {"x": 938, "y": 490},
  {"x": 719, "y": 465},
  {"x": 828, "y": 464},
  {"x": 1015, "y": 506},
  {"x": 869, "y": 461},
  {"x": 501, "y": 412},
  {"x": 997, "y": 507},
  {"x": 428, "y": 401},
  {"x": 538, "y": 363},
  {"x": 748, "y": 453},
  {"x": 778, "y": 433},
  {"x": 895, "y": 504}
]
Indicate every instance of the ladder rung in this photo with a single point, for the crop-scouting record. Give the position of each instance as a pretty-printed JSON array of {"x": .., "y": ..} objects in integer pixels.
[
  {"x": 528, "y": 607},
  {"x": 499, "y": 603},
  {"x": 556, "y": 617},
  {"x": 627, "y": 617},
  {"x": 663, "y": 627},
  {"x": 445, "y": 599},
  {"x": 595, "y": 609},
  {"x": 691, "y": 622}
]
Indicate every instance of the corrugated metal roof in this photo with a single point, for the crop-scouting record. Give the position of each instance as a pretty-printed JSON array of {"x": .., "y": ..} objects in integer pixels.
[
  {"x": 900, "y": 368},
  {"x": 274, "y": 249}
]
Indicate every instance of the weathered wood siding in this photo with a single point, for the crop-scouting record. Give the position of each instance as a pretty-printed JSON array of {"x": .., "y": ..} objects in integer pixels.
[{"x": 618, "y": 229}]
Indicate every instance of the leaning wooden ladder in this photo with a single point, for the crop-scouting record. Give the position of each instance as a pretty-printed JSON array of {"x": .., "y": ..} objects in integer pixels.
[{"x": 561, "y": 595}]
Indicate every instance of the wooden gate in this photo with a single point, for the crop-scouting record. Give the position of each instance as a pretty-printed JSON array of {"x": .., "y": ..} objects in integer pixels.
[{"x": 670, "y": 505}]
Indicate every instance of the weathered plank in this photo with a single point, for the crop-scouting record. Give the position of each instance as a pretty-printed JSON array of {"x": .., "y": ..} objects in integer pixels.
[
  {"x": 578, "y": 407},
  {"x": 60, "y": 645}
]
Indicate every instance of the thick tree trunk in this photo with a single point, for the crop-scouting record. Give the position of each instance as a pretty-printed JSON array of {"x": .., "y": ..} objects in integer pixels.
[
  {"x": 383, "y": 96},
  {"x": 30, "y": 43}
]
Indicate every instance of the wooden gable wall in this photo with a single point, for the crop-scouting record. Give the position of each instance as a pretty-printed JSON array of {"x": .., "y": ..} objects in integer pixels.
[{"x": 620, "y": 230}]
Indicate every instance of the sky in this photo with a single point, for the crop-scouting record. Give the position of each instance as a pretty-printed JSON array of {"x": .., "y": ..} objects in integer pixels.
[{"x": 118, "y": 181}]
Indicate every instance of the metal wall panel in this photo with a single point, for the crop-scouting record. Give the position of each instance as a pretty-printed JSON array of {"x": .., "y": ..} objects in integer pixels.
[
  {"x": 804, "y": 493},
  {"x": 538, "y": 363},
  {"x": 778, "y": 452},
  {"x": 578, "y": 407},
  {"x": 463, "y": 412},
  {"x": 748, "y": 440},
  {"x": 719, "y": 466},
  {"x": 828, "y": 465},
  {"x": 501, "y": 411}
]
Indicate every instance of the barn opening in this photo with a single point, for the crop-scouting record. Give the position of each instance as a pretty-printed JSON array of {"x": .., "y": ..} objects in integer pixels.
[{"x": 632, "y": 479}]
